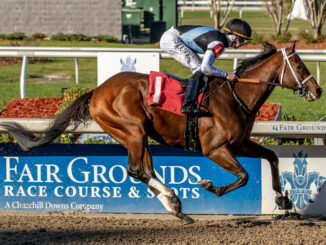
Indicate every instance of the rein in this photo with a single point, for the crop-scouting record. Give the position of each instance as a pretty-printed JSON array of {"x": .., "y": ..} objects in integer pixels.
[
  {"x": 243, "y": 106},
  {"x": 250, "y": 80}
]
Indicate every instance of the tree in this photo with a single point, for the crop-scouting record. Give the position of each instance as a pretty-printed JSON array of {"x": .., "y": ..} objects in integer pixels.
[
  {"x": 280, "y": 12},
  {"x": 316, "y": 15},
  {"x": 216, "y": 9}
]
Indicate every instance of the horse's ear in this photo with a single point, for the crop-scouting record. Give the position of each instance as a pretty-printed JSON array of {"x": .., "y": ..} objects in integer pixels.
[{"x": 293, "y": 46}]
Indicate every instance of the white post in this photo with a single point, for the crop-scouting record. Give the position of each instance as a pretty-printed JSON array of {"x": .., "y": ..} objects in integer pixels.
[
  {"x": 77, "y": 71},
  {"x": 318, "y": 72},
  {"x": 318, "y": 141},
  {"x": 23, "y": 77},
  {"x": 235, "y": 63},
  {"x": 240, "y": 13}
]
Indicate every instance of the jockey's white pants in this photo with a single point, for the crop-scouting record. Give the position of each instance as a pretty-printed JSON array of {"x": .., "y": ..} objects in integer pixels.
[{"x": 171, "y": 43}]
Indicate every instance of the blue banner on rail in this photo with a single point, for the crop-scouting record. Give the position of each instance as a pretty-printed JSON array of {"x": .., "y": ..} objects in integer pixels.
[{"x": 94, "y": 178}]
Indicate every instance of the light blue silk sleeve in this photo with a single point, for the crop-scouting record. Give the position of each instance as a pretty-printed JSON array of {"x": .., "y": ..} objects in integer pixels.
[{"x": 207, "y": 65}]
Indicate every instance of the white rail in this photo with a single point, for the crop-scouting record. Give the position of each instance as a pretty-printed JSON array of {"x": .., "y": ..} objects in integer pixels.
[
  {"x": 194, "y": 5},
  {"x": 205, "y": 3},
  {"x": 190, "y": 5},
  {"x": 261, "y": 128},
  {"x": 82, "y": 52}
]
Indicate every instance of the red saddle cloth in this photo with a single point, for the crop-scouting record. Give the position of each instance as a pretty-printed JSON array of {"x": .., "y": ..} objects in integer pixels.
[{"x": 166, "y": 93}]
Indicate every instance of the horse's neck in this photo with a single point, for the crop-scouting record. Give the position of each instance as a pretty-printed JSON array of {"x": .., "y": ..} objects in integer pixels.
[{"x": 254, "y": 95}]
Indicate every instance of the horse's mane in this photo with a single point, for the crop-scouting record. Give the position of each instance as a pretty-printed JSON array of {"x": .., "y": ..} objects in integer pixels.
[{"x": 268, "y": 50}]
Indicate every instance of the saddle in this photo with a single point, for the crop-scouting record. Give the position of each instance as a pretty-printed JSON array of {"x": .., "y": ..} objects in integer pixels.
[
  {"x": 166, "y": 92},
  {"x": 184, "y": 82}
]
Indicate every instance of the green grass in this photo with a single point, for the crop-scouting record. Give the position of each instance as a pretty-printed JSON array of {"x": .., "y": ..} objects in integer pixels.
[
  {"x": 72, "y": 44},
  {"x": 294, "y": 108},
  {"x": 260, "y": 22},
  {"x": 10, "y": 75}
]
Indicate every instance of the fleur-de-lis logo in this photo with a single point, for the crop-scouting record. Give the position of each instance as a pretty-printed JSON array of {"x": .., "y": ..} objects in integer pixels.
[
  {"x": 128, "y": 64},
  {"x": 300, "y": 181}
]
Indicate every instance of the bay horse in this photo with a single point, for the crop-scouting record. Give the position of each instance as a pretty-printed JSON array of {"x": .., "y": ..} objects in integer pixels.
[{"x": 120, "y": 107}]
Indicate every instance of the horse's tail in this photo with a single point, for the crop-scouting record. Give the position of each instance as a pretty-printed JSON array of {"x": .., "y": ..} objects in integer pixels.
[{"x": 77, "y": 113}]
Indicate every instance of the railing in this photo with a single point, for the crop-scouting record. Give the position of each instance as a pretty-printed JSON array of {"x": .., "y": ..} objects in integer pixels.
[
  {"x": 81, "y": 52},
  {"x": 205, "y": 3},
  {"x": 191, "y": 5},
  {"x": 280, "y": 129}
]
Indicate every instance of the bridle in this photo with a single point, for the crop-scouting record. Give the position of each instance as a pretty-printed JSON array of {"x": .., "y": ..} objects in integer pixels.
[{"x": 286, "y": 61}]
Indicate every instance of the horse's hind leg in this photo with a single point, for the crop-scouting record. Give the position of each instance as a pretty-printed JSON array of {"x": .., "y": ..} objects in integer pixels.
[
  {"x": 140, "y": 165},
  {"x": 224, "y": 158}
]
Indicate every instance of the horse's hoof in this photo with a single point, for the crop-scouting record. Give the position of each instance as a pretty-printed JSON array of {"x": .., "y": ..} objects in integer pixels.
[
  {"x": 205, "y": 184},
  {"x": 186, "y": 220},
  {"x": 288, "y": 215},
  {"x": 284, "y": 203}
]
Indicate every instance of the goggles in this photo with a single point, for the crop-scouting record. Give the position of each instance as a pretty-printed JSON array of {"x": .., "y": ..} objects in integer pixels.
[
  {"x": 234, "y": 38},
  {"x": 241, "y": 40}
]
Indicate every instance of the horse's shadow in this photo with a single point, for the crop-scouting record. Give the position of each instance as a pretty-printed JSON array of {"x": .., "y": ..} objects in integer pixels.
[
  {"x": 246, "y": 222},
  {"x": 254, "y": 223}
]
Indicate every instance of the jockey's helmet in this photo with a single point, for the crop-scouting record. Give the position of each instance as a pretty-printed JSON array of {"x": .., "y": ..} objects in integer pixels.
[{"x": 239, "y": 28}]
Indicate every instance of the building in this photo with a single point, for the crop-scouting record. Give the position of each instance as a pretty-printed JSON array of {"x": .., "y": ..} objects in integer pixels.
[{"x": 89, "y": 17}]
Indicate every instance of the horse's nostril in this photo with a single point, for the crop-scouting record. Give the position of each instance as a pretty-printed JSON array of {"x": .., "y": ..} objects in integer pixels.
[{"x": 319, "y": 91}]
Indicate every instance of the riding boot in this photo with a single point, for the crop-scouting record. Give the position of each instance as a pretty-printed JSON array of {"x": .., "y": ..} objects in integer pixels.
[{"x": 189, "y": 105}]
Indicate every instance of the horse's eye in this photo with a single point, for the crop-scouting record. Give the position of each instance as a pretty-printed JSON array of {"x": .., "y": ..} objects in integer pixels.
[{"x": 300, "y": 67}]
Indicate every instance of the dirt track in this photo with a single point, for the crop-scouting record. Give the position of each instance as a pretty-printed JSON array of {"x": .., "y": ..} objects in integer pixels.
[{"x": 80, "y": 228}]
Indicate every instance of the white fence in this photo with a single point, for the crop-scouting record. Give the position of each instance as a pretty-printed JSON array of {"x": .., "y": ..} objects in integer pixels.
[
  {"x": 205, "y": 4},
  {"x": 288, "y": 129},
  {"x": 81, "y": 52},
  {"x": 192, "y": 5}
]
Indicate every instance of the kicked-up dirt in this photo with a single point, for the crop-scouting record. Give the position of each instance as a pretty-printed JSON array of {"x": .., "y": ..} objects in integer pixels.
[{"x": 87, "y": 228}]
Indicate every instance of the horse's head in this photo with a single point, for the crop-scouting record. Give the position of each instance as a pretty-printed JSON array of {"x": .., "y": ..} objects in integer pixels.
[{"x": 294, "y": 74}]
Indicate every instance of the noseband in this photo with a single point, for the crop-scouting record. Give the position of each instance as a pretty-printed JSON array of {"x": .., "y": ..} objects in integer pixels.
[{"x": 286, "y": 60}]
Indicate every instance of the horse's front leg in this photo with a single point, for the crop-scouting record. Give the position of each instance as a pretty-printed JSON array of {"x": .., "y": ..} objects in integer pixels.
[
  {"x": 224, "y": 158},
  {"x": 251, "y": 149}
]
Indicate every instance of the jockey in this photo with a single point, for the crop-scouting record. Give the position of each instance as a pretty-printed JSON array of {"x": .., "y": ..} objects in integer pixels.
[{"x": 184, "y": 43}]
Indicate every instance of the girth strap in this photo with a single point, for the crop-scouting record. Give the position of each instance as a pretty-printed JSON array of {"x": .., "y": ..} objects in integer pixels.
[{"x": 192, "y": 134}]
